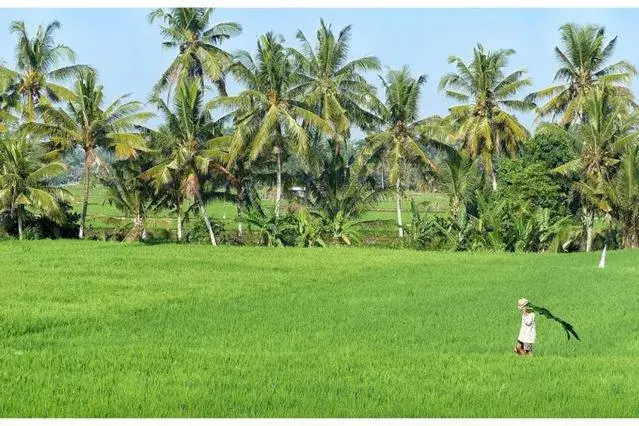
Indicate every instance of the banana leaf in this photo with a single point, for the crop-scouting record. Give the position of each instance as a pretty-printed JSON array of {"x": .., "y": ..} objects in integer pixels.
[{"x": 568, "y": 328}]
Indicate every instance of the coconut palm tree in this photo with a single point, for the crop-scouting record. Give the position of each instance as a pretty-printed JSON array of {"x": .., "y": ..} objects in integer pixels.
[
  {"x": 461, "y": 180},
  {"x": 602, "y": 140},
  {"x": 483, "y": 124},
  {"x": 333, "y": 84},
  {"x": 132, "y": 196},
  {"x": 85, "y": 123},
  {"x": 24, "y": 181},
  {"x": 36, "y": 74},
  {"x": 406, "y": 138},
  {"x": 340, "y": 190},
  {"x": 584, "y": 61},
  {"x": 623, "y": 195},
  {"x": 189, "y": 139},
  {"x": 268, "y": 113},
  {"x": 190, "y": 30}
]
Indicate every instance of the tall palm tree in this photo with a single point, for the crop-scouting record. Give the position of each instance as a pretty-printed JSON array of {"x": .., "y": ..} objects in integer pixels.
[
  {"x": 36, "y": 72},
  {"x": 24, "y": 181},
  {"x": 333, "y": 84},
  {"x": 406, "y": 138},
  {"x": 584, "y": 61},
  {"x": 188, "y": 139},
  {"x": 190, "y": 30},
  {"x": 607, "y": 132},
  {"x": 85, "y": 123},
  {"x": 483, "y": 125},
  {"x": 268, "y": 113}
]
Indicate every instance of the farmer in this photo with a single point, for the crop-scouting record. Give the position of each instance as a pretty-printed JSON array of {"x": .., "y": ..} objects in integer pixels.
[{"x": 527, "y": 331}]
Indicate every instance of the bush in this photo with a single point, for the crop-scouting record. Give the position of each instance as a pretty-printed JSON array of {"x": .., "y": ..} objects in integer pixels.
[
  {"x": 40, "y": 227},
  {"x": 197, "y": 233},
  {"x": 523, "y": 182}
]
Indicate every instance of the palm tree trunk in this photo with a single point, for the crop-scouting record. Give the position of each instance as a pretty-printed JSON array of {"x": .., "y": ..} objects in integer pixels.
[
  {"x": 19, "y": 212},
  {"x": 589, "y": 229},
  {"x": 206, "y": 219},
  {"x": 85, "y": 201},
  {"x": 179, "y": 220},
  {"x": 398, "y": 201},
  {"x": 239, "y": 220},
  {"x": 278, "y": 189},
  {"x": 239, "y": 205},
  {"x": 493, "y": 177}
]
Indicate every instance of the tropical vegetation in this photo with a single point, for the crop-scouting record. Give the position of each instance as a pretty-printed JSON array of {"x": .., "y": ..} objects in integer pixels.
[{"x": 306, "y": 148}]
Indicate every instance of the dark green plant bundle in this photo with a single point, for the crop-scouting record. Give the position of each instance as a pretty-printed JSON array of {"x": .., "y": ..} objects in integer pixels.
[{"x": 568, "y": 328}]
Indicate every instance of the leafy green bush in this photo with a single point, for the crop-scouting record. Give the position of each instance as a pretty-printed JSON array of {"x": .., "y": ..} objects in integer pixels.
[
  {"x": 40, "y": 227},
  {"x": 196, "y": 232}
]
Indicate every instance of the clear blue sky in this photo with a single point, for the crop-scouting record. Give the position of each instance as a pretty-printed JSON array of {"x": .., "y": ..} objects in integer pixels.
[{"x": 126, "y": 49}]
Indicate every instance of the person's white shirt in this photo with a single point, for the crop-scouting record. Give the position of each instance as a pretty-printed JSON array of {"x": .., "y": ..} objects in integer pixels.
[{"x": 527, "y": 332}]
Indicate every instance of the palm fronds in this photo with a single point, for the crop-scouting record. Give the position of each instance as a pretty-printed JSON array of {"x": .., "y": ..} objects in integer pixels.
[{"x": 568, "y": 328}]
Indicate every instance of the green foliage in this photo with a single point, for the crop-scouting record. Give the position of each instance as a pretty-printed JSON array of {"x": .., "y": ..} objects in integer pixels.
[
  {"x": 495, "y": 224},
  {"x": 532, "y": 183},
  {"x": 196, "y": 232},
  {"x": 584, "y": 60},
  {"x": 568, "y": 328},
  {"x": 550, "y": 149},
  {"x": 36, "y": 80},
  {"x": 482, "y": 123},
  {"x": 189, "y": 30}
]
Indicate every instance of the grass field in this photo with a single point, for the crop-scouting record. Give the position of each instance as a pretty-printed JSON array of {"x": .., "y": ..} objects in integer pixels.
[{"x": 109, "y": 330}]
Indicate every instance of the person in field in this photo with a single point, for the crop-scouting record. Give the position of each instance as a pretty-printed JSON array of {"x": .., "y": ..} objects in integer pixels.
[{"x": 527, "y": 332}]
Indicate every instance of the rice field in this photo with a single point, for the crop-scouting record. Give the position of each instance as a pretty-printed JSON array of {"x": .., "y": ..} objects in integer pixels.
[{"x": 95, "y": 329}]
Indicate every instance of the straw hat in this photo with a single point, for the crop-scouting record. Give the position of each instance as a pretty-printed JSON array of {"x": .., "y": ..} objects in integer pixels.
[{"x": 521, "y": 303}]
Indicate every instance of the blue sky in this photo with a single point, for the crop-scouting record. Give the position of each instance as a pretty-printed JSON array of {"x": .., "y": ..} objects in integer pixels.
[{"x": 126, "y": 50}]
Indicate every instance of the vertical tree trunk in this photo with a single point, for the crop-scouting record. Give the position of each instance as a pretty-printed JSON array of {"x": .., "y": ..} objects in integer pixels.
[
  {"x": 19, "y": 211},
  {"x": 206, "y": 219},
  {"x": 493, "y": 177},
  {"x": 179, "y": 220},
  {"x": 239, "y": 221},
  {"x": 240, "y": 204},
  {"x": 85, "y": 200},
  {"x": 278, "y": 189},
  {"x": 589, "y": 229},
  {"x": 398, "y": 202}
]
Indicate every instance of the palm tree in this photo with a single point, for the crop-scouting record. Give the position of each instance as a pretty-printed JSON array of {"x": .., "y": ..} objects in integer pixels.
[
  {"x": 190, "y": 30},
  {"x": 131, "y": 195},
  {"x": 584, "y": 64},
  {"x": 340, "y": 190},
  {"x": 86, "y": 124},
  {"x": 333, "y": 84},
  {"x": 623, "y": 195},
  {"x": 268, "y": 114},
  {"x": 608, "y": 130},
  {"x": 24, "y": 181},
  {"x": 406, "y": 139},
  {"x": 188, "y": 137},
  {"x": 36, "y": 73},
  {"x": 461, "y": 181},
  {"x": 482, "y": 123}
]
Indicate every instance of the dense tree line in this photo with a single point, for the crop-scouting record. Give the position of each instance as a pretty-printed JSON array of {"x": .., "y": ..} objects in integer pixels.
[{"x": 572, "y": 184}]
